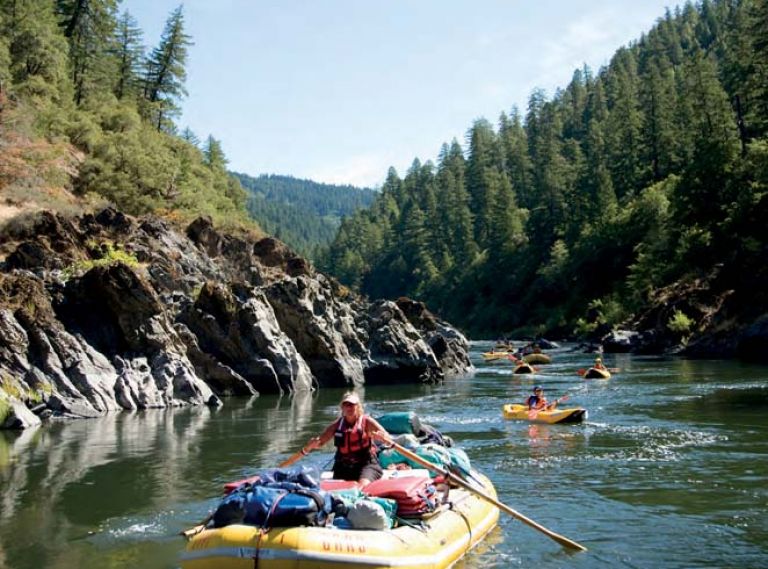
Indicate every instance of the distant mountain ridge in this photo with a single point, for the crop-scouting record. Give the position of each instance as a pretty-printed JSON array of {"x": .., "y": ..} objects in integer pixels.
[{"x": 302, "y": 213}]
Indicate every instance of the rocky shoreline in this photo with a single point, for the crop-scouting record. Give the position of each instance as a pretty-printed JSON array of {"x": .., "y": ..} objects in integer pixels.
[{"x": 105, "y": 312}]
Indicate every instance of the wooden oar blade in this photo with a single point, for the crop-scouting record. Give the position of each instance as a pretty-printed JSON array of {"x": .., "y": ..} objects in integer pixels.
[
  {"x": 561, "y": 539},
  {"x": 192, "y": 532}
]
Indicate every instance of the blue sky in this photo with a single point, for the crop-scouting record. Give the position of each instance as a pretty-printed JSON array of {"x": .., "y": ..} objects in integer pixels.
[{"x": 339, "y": 90}]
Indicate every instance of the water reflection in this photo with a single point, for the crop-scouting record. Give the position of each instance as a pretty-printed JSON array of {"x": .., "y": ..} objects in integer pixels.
[
  {"x": 68, "y": 480},
  {"x": 672, "y": 459}
]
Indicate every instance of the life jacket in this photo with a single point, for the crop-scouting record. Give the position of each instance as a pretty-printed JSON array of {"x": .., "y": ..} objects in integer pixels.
[
  {"x": 353, "y": 444},
  {"x": 536, "y": 402}
]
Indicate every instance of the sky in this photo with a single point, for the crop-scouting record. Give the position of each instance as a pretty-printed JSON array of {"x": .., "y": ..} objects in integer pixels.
[{"x": 337, "y": 91}]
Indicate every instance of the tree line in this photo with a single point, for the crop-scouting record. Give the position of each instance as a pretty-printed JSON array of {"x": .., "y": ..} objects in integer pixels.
[
  {"x": 651, "y": 171},
  {"x": 302, "y": 213},
  {"x": 77, "y": 72}
]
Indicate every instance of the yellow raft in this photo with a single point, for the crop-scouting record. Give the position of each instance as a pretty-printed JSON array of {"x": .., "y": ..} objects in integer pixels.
[
  {"x": 517, "y": 411},
  {"x": 446, "y": 536},
  {"x": 492, "y": 356}
]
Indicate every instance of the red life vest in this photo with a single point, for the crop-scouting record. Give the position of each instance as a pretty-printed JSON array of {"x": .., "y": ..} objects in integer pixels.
[{"x": 352, "y": 443}]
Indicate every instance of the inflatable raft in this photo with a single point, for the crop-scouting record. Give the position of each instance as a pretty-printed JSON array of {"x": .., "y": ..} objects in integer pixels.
[
  {"x": 517, "y": 411},
  {"x": 597, "y": 373},
  {"x": 523, "y": 368},
  {"x": 493, "y": 356},
  {"x": 431, "y": 543},
  {"x": 537, "y": 358}
]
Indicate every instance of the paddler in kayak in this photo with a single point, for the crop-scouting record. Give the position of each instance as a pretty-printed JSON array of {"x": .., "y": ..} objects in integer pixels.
[
  {"x": 537, "y": 401},
  {"x": 353, "y": 435}
]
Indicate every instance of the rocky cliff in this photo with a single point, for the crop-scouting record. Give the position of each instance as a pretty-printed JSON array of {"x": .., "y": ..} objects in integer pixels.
[{"x": 107, "y": 312}]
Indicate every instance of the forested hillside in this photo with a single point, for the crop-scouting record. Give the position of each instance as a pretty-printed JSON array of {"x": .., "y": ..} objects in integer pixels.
[
  {"x": 87, "y": 114},
  {"x": 304, "y": 214},
  {"x": 648, "y": 173}
]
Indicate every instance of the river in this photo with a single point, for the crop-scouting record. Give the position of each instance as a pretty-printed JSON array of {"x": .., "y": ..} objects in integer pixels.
[{"x": 669, "y": 470}]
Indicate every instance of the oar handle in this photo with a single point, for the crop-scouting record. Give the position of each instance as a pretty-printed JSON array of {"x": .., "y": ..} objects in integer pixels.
[
  {"x": 293, "y": 458},
  {"x": 562, "y": 540}
]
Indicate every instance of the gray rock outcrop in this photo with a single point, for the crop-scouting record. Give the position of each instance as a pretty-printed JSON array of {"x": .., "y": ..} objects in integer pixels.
[{"x": 107, "y": 312}]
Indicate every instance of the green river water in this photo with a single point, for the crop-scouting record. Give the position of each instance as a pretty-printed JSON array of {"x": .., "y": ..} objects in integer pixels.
[{"x": 670, "y": 469}]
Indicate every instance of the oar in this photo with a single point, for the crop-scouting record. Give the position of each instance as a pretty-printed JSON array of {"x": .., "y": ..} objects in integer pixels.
[
  {"x": 293, "y": 458},
  {"x": 533, "y": 413},
  {"x": 193, "y": 531},
  {"x": 562, "y": 540}
]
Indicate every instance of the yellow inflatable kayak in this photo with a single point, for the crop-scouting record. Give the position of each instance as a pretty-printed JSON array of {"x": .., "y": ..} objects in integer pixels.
[
  {"x": 492, "y": 356},
  {"x": 517, "y": 411},
  {"x": 449, "y": 533}
]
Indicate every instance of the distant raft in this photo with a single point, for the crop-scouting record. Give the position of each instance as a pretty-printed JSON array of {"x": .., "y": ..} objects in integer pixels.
[
  {"x": 523, "y": 368},
  {"x": 537, "y": 358},
  {"x": 493, "y": 356},
  {"x": 521, "y": 412},
  {"x": 597, "y": 373}
]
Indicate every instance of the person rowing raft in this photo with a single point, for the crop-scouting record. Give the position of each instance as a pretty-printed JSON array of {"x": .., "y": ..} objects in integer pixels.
[{"x": 353, "y": 435}]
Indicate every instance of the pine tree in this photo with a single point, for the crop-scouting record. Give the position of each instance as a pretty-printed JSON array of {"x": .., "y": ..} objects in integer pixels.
[
  {"x": 213, "y": 154},
  {"x": 699, "y": 199},
  {"x": 657, "y": 96},
  {"x": 624, "y": 125},
  {"x": 574, "y": 101},
  {"x": 458, "y": 226},
  {"x": 166, "y": 72},
  {"x": 189, "y": 136},
  {"x": 129, "y": 53},
  {"x": 89, "y": 26},
  {"x": 517, "y": 163},
  {"x": 484, "y": 155},
  {"x": 506, "y": 227},
  {"x": 550, "y": 173}
]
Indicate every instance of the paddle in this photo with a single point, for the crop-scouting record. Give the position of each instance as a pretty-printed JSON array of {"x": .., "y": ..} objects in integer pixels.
[
  {"x": 193, "y": 531},
  {"x": 562, "y": 540},
  {"x": 533, "y": 413}
]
